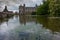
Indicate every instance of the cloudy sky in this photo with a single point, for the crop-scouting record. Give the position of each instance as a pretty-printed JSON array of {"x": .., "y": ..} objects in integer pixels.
[{"x": 13, "y": 4}]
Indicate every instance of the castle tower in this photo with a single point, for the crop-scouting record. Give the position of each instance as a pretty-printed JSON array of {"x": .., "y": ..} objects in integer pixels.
[
  {"x": 24, "y": 5},
  {"x": 22, "y": 9},
  {"x": 5, "y": 10},
  {"x": 36, "y": 5}
]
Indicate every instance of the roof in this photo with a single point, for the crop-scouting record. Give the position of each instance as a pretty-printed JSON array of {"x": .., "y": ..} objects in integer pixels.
[
  {"x": 5, "y": 10},
  {"x": 30, "y": 7}
]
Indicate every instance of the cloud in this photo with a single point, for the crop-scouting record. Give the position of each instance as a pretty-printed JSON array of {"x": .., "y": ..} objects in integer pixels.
[{"x": 12, "y": 4}]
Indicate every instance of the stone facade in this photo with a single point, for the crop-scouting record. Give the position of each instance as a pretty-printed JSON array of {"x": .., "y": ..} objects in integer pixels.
[
  {"x": 23, "y": 9},
  {"x": 5, "y": 12}
]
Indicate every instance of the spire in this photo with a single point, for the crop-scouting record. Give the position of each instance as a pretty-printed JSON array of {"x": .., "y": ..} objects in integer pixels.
[
  {"x": 24, "y": 5},
  {"x": 36, "y": 5},
  {"x": 5, "y": 10}
]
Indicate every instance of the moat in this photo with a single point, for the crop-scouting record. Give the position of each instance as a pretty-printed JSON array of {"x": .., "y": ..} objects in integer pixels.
[{"x": 30, "y": 27}]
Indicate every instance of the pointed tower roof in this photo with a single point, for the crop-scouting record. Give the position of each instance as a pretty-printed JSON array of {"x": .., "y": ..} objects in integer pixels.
[{"x": 5, "y": 10}]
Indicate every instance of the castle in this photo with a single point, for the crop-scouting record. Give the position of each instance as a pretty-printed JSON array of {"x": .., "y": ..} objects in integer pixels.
[
  {"x": 22, "y": 10},
  {"x": 5, "y": 12},
  {"x": 26, "y": 10}
]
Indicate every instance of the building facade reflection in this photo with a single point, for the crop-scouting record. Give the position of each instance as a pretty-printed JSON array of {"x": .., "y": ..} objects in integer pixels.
[{"x": 25, "y": 18}]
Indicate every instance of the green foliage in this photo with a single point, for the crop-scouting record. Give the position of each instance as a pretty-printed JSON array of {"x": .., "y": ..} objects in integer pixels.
[
  {"x": 33, "y": 13},
  {"x": 54, "y": 7},
  {"x": 43, "y": 9}
]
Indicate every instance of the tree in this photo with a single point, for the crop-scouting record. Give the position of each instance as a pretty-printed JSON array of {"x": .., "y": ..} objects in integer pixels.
[
  {"x": 54, "y": 7},
  {"x": 43, "y": 8}
]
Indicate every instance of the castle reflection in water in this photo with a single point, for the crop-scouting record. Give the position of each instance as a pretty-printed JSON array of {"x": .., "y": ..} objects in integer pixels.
[
  {"x": 24, "y": 18},
  {"x": 27, "y": 27}
]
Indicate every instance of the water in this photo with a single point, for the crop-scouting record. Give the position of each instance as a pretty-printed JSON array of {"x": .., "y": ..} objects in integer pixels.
[{"x": 30, "y": 28}]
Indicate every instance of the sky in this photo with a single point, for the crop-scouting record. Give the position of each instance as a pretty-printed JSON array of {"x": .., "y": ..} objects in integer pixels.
[{"x": 13, "y": 5}]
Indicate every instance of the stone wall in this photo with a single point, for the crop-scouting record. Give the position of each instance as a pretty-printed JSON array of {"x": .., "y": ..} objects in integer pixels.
[{"x": 24, "y": 10}]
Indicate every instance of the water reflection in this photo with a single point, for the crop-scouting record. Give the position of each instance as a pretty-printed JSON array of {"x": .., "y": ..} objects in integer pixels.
[
  {"x": 25, "y": 19},
  {"x": 52, "y": 23},
  {"x": 29, "y": 28}
]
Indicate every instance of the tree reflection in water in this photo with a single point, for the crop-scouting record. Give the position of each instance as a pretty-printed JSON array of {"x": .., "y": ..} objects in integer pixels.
[{"x": 52, "y": 23}]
